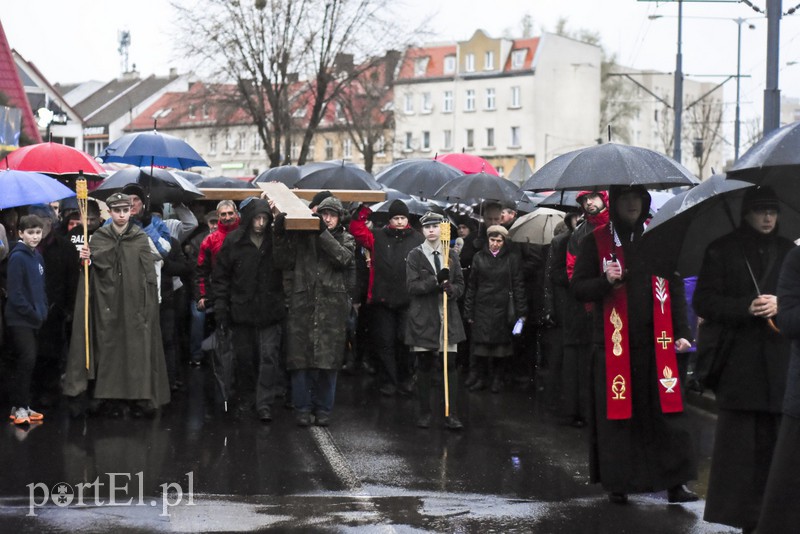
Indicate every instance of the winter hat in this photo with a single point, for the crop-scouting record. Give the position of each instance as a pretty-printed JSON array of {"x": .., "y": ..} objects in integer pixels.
[
  {"x": 603, "y": 195},
  {"x": 760, "y": 198},
  {"x": 134, "y": 189},
  {"x": 431, "y": 217},
  {"x": 398, "y": 207},
  {"x": 330, "y": 203},
  {"x": 318, "y": 198},
  {"x": 496, "y": 230}
]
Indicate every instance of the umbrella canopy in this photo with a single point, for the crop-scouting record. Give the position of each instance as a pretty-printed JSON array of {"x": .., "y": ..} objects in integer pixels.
[
  {"x": 191, "y": 177},
  {"x": 677, "y": 236},
  {"x": 21, "y": 188},
  {"x": 415, "y": 206},
  {"x": 478, "y": 186},
  {"x": 153, "y": 148},
  {"x": 561, "y": 200},
  {"x": 775, "y": 154},
  {"x": 536, "y": 227},
  {"x": 288, "y": 175},
  {"x": 160, "y": 184},
  {"x": 467, "y": 163},
  {"x": 223, "y": 182},
  {"x": 600, "y": 166},
  {"x": 528, "y": 201},
  {"x": 53, "y": 159},
  {"x": 336, "y": 176},
  {"x": 420, "y": 177}
]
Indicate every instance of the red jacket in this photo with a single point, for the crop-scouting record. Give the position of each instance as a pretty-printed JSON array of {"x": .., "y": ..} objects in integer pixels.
[{"x": 209, "y": 249}]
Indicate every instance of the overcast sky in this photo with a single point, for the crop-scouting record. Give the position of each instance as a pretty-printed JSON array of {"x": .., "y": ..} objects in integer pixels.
[{"x": 76, "y": 40}]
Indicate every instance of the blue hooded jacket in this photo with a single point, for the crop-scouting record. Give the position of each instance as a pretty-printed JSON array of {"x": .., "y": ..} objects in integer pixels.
[{"x": 27, "y": 299}]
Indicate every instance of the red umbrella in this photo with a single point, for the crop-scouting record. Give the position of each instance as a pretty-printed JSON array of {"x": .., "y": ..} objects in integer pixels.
[
  {"x": 467, "y": 163},
  {"x": 54, "y": 159}
]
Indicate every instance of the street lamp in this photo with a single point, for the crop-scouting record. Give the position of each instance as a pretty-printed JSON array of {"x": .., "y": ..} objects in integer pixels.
[{"x": 678, "y": 110}]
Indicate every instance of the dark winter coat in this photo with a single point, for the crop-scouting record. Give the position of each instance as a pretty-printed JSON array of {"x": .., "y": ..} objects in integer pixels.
[
  {"x": 27, "y": 297},
  {"x": 754, "y": 375},
  {"x": 61, "y": 263},
  {"x": 788, "y": 320},
  {"x": 246, "y": 287},
  {"x": 493, "y": 281},
  {"x": 320, "y": 288},
  {"x": 652, "y": 450},
  {"x": 557, "y": 282},
  {"x": 424, "y": 325},
  {"x": 126, "y": 350}
]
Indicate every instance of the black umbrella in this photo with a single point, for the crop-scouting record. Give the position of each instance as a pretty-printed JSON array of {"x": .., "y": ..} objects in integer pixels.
[
  {"x": 775, "y": 157},
  {"x": 160, "y": 185},
  {"x": 678, "y": 235},
  {"x": 191, "y": 177},
  {"x": 561, "y": 200},
  {"x": 600, "y": 166},
  {"x": 415, "y": 206},
  {"x": 222, "y": 182},
  {"x": 528, "y": 201},
  {"x": 480, "y": 186},
  {"x": 337, "y": 176},
  {"x": 288, "y": 175},
  {"x": 420, "y": 177}
]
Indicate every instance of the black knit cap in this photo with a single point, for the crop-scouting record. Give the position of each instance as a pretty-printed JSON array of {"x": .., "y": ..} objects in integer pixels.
[
  {"x": 760, "y": 198},
  {"x": 319, "y": 197},
  {"x": 398, "y": 207}
]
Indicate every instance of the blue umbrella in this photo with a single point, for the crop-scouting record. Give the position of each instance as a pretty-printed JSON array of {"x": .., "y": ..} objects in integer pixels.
[
  {"x": 21, "y": 188},
  {"x": 152, "y": 149}
]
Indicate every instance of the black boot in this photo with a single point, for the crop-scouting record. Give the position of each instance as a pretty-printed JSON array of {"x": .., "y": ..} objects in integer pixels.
[{"x": 681, "y": 493}]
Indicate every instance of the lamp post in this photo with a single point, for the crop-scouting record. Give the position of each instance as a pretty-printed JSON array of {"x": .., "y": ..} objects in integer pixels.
[
  {"x": 678, "y": 96},
  {"x": 737, "y": 121}
]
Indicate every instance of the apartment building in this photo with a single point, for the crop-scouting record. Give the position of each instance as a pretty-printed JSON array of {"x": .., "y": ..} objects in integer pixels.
[{"x": 503, "y": 99}]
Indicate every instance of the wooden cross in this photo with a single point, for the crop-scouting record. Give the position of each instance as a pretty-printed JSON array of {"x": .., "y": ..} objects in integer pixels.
[{"x": 298, "y": 216}]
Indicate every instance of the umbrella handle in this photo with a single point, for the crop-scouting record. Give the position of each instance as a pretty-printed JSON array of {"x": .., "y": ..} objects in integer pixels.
[{"x": 773, "y": 326}]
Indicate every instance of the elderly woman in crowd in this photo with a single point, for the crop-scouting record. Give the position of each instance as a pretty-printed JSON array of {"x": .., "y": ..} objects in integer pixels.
[{"x": 495, "y": 293}]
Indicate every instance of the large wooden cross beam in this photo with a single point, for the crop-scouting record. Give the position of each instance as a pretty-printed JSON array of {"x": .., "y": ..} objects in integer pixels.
[{"x": 298, "y": 216}]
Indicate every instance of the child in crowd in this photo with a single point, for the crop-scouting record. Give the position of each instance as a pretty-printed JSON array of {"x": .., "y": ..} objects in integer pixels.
[{"x": 26, "y": 311}]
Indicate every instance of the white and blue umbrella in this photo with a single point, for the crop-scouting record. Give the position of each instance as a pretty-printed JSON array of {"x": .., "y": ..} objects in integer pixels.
[
  {"x": 152, "y": 149},
  {"x": 21, "y": 188}
]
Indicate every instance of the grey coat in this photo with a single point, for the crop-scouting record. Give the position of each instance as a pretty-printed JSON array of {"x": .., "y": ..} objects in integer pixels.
[
  {"x": 424, "y": 324},
  {"x": 320, "y": 280}
]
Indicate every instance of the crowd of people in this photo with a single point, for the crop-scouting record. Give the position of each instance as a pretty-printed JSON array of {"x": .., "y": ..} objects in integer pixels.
[{"x": 584, "y": 321}]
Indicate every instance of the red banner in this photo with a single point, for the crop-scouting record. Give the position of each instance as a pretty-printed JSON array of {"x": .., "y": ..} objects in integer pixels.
[{"x": 669, "y": 387}]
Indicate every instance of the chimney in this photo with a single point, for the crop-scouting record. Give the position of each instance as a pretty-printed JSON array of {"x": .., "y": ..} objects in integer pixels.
[
  {"x": 173, "y": 73},
  {"x": 391, "y": 61},
  {"x": 343, "y": 63}
]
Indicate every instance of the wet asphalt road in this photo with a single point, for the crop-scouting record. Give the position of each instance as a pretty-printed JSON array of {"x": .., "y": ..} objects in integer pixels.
[{"x": 513, "y": 469}]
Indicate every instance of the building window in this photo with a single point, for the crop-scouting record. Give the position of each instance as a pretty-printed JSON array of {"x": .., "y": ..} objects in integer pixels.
[
  {"x": 191, "y": 111},
  {"x": 347, "y": 149},
  {"x": 490, "y": 99},
  {"x": 515, "y": 141},
  {"x": 241, "y": 145},
  {"x": 448, "y": 139},
  {"x": 469, "y": 103},
  {"x": 469, "y": 63},
  {"x": 427, "y": 105},
  {"x": 229, "y": 143},
  {"x": 426, "y": 140},
  {"x": 212, "y": 144},
  {"x": 408, "y": 138},
  {"x": 449, "y": 64},
  {"x": 294, "y": 150},
  {"x": 470, "y": 138},
  {"x": 420, "y": 66},
  {"x": 518, "y": 58},
  {"x": 340, "y": 116},
  {"x": 516, "y": 102},
  {"x": 205, "y": 111},
  {"x": 256, "y": 143},
  {"x": 489, "y": 137},
  {"x": 408, "y": 103},
  {"x": 328, "y": 149},
  {"x": 381, "y": 146},
  {"x": 447, "y": 105},
  {"x": 488, "y": 60}
]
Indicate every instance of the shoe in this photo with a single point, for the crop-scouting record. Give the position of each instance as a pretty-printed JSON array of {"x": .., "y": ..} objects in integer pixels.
[
  {"x": 265, "y": 414},
  {"x": 142, "y": 408},
  {"x": 322, "y": 419},
  {"x": 618, "y": 498},
  {"x": 13, "y": 413},
  {"x": 424, "y": 421},
  {"x": 471, "y": 379},
  {"x": 680, "y": 494},
  {"x": 389, "y": 390},
  {"x": 303, "y": 419},
  {"x": 452, "y": 423},
  {"x": 34, "y": 415},
  {"x": 578, "y": 422},
  {"x": 21, "y": 417},
  {"x": 478, "y": 386},
  {"x": 496, "y": 384}
]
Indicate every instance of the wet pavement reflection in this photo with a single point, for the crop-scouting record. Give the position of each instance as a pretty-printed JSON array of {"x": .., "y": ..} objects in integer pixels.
[{"x": 514, "y": 468}]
